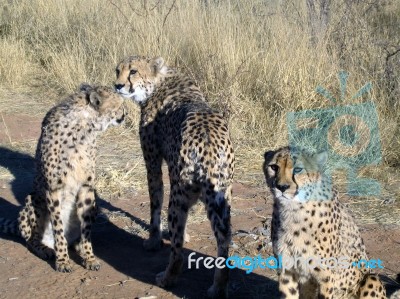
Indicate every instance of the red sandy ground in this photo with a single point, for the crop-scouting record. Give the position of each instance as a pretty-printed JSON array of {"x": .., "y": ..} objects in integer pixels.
[{"x": 128, "y": 271}]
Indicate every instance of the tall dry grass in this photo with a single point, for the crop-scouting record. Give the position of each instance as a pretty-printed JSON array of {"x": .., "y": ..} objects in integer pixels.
[{"x": 253, "y": 59}]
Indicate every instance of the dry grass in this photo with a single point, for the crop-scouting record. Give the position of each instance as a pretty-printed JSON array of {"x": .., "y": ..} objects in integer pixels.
[{"x": 253, "y": 59}]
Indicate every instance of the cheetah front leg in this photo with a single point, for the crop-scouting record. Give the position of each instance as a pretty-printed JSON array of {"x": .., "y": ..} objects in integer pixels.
[
  {"x": 177, "y": 216},
  {"x": 60, "y": 242},
  {"x": 156, "y": 192},
  {"x": 218, "y": 212},
  {"x": 86, "y": 210}
]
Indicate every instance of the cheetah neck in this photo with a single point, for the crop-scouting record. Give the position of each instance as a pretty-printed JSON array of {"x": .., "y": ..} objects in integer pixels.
[
  {"x": 319, "y": 190},
  {"x": 90, "y": 124},
  {"x": 312, "y": 194}
]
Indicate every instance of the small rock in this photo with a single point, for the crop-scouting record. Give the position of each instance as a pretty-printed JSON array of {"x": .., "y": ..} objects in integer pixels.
[{"x": 234, "y": 245}]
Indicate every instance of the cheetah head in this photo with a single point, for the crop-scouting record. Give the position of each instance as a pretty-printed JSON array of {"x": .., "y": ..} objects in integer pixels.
[
  {"x": 295, "y": 175},
  {"x": 108, "y": 105},
  {"x": 137, "y": 77}
]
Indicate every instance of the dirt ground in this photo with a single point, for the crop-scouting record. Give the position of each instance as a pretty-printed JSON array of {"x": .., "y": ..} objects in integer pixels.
[{"x": 128, "y": 271}]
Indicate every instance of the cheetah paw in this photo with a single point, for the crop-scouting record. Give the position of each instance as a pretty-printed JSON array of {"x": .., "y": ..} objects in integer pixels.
[
  {"x": 43, "y": 252},
  {"x": 217, "y": 292},
  {"x": 152, "y": 244},
  {"x": 46, "y": 253},
  {"x": 163, "y": 281},
  {"x": 63, "y": 267},
  {"x": 40, "y": 250},
  {"x": 93, "y": 265}
]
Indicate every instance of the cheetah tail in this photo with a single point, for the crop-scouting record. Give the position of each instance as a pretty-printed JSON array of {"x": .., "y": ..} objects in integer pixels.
[{"x": 9, "y": 227}]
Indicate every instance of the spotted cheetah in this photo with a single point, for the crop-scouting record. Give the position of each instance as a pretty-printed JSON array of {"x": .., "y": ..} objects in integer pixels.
[
  {"x": 60, "y": 210},
  {"x": 178, "y": 126},
  {"x": 309, "y": 221}
]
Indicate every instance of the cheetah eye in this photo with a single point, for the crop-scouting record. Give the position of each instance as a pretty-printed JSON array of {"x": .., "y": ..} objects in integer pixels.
[
  {"x": 117, "y": 72},
  {"x": 274, "y": 167},
  {"x": 132, "y": 72},
  {"x": 297, "y": 170}
]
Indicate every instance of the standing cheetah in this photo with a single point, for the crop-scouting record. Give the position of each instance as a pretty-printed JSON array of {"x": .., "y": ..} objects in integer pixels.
[
  {"x": 61, "y": 207},
  {"x": 309, "y": 221},
  {"x": 178, "y": 126}
]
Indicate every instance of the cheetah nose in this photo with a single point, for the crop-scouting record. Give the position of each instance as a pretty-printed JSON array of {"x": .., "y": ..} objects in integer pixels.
[
  {"x": 119, "y": 86},
  {"x": 282, "y": 188}
]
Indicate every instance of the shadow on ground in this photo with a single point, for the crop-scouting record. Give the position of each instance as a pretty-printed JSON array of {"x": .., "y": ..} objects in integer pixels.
[
  {"x": 131, "y": 259},
  {"x": 22, "y": 168},
  {"x": 124, "y": 252}
]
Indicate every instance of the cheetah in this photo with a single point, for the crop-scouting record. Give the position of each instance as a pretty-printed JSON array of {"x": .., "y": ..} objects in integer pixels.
[
  {"x": 178, "y": 126},
  {"x": 309, "y": 221},
  {"x": 60, "y": 210}
]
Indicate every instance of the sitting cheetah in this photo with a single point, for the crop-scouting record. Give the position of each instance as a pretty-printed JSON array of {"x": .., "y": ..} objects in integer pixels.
[
  {"x": 309, "y": 221},
  {"x": 177, "y": 125},
  {"x": 61, "y": 208}
]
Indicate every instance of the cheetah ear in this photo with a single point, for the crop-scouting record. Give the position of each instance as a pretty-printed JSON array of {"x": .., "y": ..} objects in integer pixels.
[
  {"x": 321, "y": 158},
  {"x": 268, "y": 155},
  {"x": 85, "y": 87},
  {"x": 94, "y": 99},
  {"x": 157, "y": 64}
]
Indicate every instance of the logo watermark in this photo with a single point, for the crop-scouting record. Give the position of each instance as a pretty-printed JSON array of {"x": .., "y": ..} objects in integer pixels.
[
  {"x": 249, "y": 264},
  {"x": 349, "y": 133}
]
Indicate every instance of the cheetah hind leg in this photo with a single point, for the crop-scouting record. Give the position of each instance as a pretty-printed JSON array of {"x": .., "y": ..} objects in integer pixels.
[
  {"x": 32, "y": 226},
  {"x": 194, "y": 195},
  {"x": 177, "y": 217},
  {"x": 156, "y": 192},
  {"x": 372, "y": 287},
  {"x": 27, "y": 219},
  {"x": 218, "y": 212},
  {"x": 24, "y": 223},
  {"x": 41, "y": 250},
  {"x": 35, "y": 244}
]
